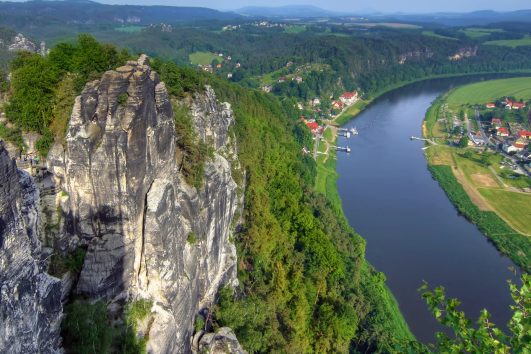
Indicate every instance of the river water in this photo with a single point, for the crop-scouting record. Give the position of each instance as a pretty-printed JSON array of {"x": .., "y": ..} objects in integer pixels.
[{"x": 413, "y": 232}]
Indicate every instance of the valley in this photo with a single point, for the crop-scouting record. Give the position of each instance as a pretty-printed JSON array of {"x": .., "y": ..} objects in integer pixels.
[{"x": 185, "y": 179}]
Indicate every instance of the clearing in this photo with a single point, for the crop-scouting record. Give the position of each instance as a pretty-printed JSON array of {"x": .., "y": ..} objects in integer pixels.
[
  {"x": 513, "y": 43},
  {"x": 479, "y": 32},
  {"x": 513, "y": 207},
  {"x": 203, "y": 58},
  {"x": 482, "y": 92}
]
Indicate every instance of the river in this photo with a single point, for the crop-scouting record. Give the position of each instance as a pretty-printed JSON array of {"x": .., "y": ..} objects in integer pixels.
[{"x": 413, "y": 232}]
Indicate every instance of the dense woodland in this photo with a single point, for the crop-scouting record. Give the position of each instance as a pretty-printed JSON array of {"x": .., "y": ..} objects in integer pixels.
[{"x": 305, "y": 284}]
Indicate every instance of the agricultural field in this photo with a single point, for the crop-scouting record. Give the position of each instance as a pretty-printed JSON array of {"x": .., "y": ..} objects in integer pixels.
[
  {"x": 514, "y": 207},
  {"x": 295, "y": 29},
  {"x": 482, "y": 92},
  {"x": 203, "y": 58},
  {"x": 433, "y": 34},
  {"x": 129, "y": 29},
  {"x": 513, "y": 43},
  {"x": 476, "y": 33}
]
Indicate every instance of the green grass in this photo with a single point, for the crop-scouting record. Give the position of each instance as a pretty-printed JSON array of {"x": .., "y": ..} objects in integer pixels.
[
  {"x": 295, "y": 29},
  {"x": 203, "y": 58},
  {"x": 513, "y": 43},
  {"x": 433, "y": 34},
  {"x": 129, "y": 29},
  {"x": 516, "y": 246},
  {"x": 352, "y": 111},
  {"x": 482, "y": 92},
  {"x": 512, "y": 206},
  {"x": 475, "y": 33}
]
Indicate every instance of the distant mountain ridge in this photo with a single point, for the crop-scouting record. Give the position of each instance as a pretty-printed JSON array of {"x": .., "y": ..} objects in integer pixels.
[
  {"x": 287, "y": 11},
  {"x": 35, "y": 13}
]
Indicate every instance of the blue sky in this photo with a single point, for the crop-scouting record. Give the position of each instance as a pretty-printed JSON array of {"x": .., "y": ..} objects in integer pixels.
[{"x": 410, "y": 6}]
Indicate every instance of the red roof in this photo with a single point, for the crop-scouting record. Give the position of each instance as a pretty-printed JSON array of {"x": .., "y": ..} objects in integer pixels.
[
  {"x": 312, "y": 125},
  {"x": 349, "y": 94},
  {"x": 524, "y": 133},
  {"x": 519, "y": 145},
  {"x": 518, "y": 104},
  {"x": 496, "y": 121},
  {"x": 503, "y": 130},
  {"x": 490, "y": 105}
]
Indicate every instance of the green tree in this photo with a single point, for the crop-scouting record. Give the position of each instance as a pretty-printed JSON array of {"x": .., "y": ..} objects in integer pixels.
[
  {"x": 485, "y": 337},
  {"x": 463, "y": 142}
]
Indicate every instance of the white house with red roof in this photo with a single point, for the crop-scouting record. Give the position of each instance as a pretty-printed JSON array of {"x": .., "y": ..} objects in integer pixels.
[
  {"x": 502, "y": 131},
  {"x": 510, "y": 104},
  {"x": 349, "y": 98},
  {"x": 524, "y": 134},
  {"x": 496, "y": 122},
  {"x": 490, "y": 105},
  {"x": 338, "y": 105}
]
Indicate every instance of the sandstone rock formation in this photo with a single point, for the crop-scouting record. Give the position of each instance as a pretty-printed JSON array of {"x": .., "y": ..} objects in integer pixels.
[
  {"x": 30, "y": 299},
  {"x": 149, "y": 234}
]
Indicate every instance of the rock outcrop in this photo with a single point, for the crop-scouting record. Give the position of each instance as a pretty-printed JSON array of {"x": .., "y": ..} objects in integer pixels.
[
  {"x": 149, "y": 234},
  {"x": 222, "y": 342},
  {"x": 21, "y": 43},
  {"x": 30, "y": 299},
  {"x": 462, "y": 53}
]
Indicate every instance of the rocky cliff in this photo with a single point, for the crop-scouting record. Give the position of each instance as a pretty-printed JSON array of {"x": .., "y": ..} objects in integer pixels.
[
  {"x": 30, "y": 299},
  {"x": 148, "y": 233}
]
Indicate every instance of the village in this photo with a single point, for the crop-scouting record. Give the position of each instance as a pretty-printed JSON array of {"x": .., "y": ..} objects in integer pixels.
[
  {"x": 502, "y": 126},
  {"x": 328, "y": 121}
]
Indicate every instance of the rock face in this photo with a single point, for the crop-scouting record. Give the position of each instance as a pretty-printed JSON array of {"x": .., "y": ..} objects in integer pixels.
[
  {"x": 221, "y": 342},
  {"x": 462, "y": 53},
  {"x": 30, "y": 299},
  {"x": 149, "y": 234}
]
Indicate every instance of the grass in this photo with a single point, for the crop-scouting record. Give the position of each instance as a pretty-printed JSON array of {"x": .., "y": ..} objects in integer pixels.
[
  {"x": 507, "y": 240},
  {"x": 433, "y": 34},
  {"x": 352, "y": 111},
  {"x": 482, "y": 92},
  {"x": 476, "y": 33},
  {"x": 513, "y": 43},
  {"x": 295, "y": 29},
  {"x": 129, "y": 29},
  {"x": 511, "y": 206},
  {"x": 203, "y": 58}
]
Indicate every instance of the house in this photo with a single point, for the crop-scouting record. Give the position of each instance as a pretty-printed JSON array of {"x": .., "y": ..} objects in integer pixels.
[
  {"x": 288, "y": 64},
  {"x": 238, "y": 65},
  {"x": 510, "y": 104},
  {"x": 496, "y": 122},
  {"x": 229, "y": 58},
  {"x": 349, "y": 98},
  {"x": 298, "y": 79},
  {"x": 477, "y": 138},
  {"x": 218, "y": 66},
  {"x": 524, "y": 134},
  {"x": 315, "y": 102},
  {"x": 490, "y": 105},
  {"x": 267, "y": 88},
  {"x": 312, "y": 125},
  {"x": 516, "y": 146},
  {"x": 281, "y": 79},
  {"x": 229, "y": 76},
  {"x": 338, "y": 105},
  {"x": 502, "y": 131}
]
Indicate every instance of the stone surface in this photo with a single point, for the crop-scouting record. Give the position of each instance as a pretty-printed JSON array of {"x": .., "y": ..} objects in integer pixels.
[
  {"x": 224, "y": 341},
  {"x": 30, "y": 299},
  {"x": 149, "y": 234}
]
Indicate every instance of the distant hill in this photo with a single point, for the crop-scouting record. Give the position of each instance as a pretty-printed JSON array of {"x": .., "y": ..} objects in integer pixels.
[
  {"x": 287, "y": 11},
  {"x": 464, "y": 19},
  {"x": 37, "y": 13}
]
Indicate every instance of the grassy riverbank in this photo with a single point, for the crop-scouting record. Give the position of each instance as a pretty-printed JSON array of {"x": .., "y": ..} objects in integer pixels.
[{"x": 474, "y": 179}]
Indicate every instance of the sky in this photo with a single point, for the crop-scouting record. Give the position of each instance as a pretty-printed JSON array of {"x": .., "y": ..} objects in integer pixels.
[{"x": 387, "y": 6}]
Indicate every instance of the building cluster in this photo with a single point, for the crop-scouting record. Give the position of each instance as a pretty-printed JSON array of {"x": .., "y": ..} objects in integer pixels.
[{"x": 313, "y": 126}]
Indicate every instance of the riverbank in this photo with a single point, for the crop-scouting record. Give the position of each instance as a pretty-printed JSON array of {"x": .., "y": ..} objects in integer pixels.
[{"x": 474, "y": 182}]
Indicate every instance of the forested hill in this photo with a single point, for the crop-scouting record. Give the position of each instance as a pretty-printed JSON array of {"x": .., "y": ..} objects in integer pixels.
[{"x": 21, "y": 15}]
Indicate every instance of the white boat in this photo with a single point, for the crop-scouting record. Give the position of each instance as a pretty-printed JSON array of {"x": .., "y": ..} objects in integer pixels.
[{"x": 354, "y": 131}]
